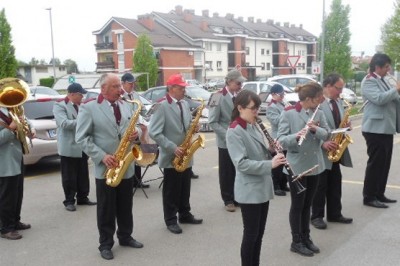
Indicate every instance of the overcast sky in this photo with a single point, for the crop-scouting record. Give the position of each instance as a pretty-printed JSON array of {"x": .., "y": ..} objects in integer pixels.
[{"x": 74, "y": 21}]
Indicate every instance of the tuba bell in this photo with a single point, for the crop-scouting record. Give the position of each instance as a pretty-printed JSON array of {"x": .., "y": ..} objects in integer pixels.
[{"x": 13, "y": 93}]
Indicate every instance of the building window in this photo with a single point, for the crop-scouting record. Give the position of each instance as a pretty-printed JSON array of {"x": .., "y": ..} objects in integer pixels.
[
  {"x": 219, "y": 47},
  {"x": 247, "y": 50},
  {"x": 106, "y": 39},
  {"x": 120, "y": 38},
  {"x": 267, "y": 52},
  {"x": 208, "y": 65},
  {"x": 208, "y": 46},
  {"x": 219, "y": 65},
  {"x": 262, "y": 51},
  {"x": 268, "y": 66},
  {"x": 262, "y": 66}
]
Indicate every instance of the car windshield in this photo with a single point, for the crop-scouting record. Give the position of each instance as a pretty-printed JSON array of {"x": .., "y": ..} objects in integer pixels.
[
  {"x": 43, "y": 90},
  {"x": 198, "y": 93},
  {"x": 42, "y": 109}
]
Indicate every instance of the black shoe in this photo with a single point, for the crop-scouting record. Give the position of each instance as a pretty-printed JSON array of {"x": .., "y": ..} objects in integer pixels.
[
  {"x": 279, "y": 192},
  {"x": 319, "y": 223},
  {"x": 190, "y": 220},
  {"x": 386, "y": 200},
  {"x": 301, "y": 249},
  {"x": 194, "y": 176},
  {"x": 70, "y": 207},
  {"x": 133, "y": 243},
  {"x": 310, "y": 245},
  {"x": 141, "y": 185},
  {"x": 106, "y": 254},
  {"x": 86, "y": 202},
  {"x": 341, "y": 219},
  {"x": 22, "y": 226},
  {"x": 375, "y": 204},
  {"x": 174, "y": 228}
]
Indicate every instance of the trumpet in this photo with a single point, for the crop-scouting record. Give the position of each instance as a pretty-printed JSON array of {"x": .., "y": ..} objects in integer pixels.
[{"x": 303, "y": 137}]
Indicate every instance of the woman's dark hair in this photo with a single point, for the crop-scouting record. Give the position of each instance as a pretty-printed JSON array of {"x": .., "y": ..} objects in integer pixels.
[
  {"x": 243, "y": 99},
  {"x": 331, "y": 79},
  {"x": 311, "y": 89},
  {"x": 379, "y": 60}
]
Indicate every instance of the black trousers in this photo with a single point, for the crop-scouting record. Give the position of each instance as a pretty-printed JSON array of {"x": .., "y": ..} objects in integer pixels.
[
  {"x": 11, "y": 194},
  {"x": 279, "y": 178},
  {"x": 379, "y": 149},
  {"x": 114, "y": 204},
  {"x": 254, "y": 218},
  {"x": 138, "y": 174},
  {"x": 300, "y": 208},
  {"x": 329, "y": 191},
  {"x": 75, "y": 178},
  {"x": 176, "y": 194},
  {"x": 227, "y": 175}
]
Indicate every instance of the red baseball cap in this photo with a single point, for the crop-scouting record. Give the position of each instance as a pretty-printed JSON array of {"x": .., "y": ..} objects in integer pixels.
[{"x": 177, "y": 79}]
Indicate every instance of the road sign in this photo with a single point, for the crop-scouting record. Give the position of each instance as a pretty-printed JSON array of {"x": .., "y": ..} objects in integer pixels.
[
  {"x": 71, "y": 79},
  {"x": 316, "y": 67},
  {"x": 293, "y": 60}
]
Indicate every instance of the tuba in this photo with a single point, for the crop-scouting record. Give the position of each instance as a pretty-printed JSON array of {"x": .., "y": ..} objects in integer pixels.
[
  {"x": 341, "y": 139},
  {"x": 181, "y": 163},
  {"x": 124, "y": 155},
  {"x": 13, "y": 93}
]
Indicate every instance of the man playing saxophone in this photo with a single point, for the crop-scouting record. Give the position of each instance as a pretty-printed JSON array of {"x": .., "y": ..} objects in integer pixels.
[
  {"x": 329, "y": 189},
  {"x": 169, "y": 126},
  {"x": 101, "y": 124}
]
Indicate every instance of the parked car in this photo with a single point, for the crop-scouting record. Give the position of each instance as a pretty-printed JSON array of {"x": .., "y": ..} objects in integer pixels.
[
  {"x": 262, "y": 88},
  {"x": 156, "y": 93},
  {"x": 349, "y": 96},
  {"x": 43, "y": 91},
  {"x": 214, "y": 84},
  {"x": 39, "y": 110},
  {"x": 293, "y": 80}
]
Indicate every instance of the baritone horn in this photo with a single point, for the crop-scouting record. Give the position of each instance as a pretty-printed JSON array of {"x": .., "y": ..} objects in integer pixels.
[{"x": 13, "y": 93}]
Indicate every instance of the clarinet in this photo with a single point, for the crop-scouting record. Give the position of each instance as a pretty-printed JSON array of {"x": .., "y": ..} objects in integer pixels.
[{"x": 278, "y": 149}]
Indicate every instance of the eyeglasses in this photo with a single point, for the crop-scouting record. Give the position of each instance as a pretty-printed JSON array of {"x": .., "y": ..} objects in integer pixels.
[
  {"x": 239, "y": 83},
  {"x": 253, "y": 108},
  {"x": 338, "y": 88}
]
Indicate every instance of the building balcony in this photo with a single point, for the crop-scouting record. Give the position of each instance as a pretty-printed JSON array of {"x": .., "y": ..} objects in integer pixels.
[
  {"x": 104, "y": 46},
  {"x": 105, "y": 66}
]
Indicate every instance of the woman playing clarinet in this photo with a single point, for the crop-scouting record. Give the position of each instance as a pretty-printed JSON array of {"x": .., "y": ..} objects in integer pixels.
[
  {"x": 302, "y": 129},
  {"x": 253, "y": 184}
]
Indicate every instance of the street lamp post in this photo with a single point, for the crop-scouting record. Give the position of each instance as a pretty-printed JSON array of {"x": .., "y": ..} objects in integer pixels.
[
  {"x": 321, "y": 77},
  {"x": 52, "y": 44}
]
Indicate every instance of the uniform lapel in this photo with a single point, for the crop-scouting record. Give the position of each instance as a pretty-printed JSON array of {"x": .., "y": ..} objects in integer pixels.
[
  {"x": 328, "y": 113},
  {"x": 107, "y": 111}
]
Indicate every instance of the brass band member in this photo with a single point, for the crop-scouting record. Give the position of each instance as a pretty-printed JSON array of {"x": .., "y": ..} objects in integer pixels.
[
  {"x": 329, "y": 191},
  {"x": 168, "y": 127},
  {"x": 295, "y": 123},
  {"x": 101, "y": 124},
  {"x": 253, "y": 164}
]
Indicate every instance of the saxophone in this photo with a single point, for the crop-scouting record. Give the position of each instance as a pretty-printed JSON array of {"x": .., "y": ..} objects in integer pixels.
[
  {"x": 123, "y": 154},
  {"x": 341, "y": 139},
  {"x": 181, "y": 163}
]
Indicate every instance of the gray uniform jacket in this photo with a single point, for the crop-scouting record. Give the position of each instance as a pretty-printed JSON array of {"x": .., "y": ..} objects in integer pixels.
[
  {"x": 65, "y": 115},
  {"x": 326, "y": 109},
  {"x": 250, "y": 155},
  {"x": 302, "y": 158},
  {"x": 10, "y": 151},
  {"x": 380, "y": 113},
  {"x": 273, "y": 115},
  {"x": 166, "y": 128},
  {"x": 220, "y": 114},
  {"x": 98, "y": 133}
]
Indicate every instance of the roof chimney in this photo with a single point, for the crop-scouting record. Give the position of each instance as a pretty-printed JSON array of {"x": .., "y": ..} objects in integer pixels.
[
  {"x": 270, "y": 21},
  {"x": 205, "y": 13},
  {"x": 278, "y": 24},
  {"x": 286, "y": 24},
  {"x": 292, "y": 26},
  {"x": 178, "y": 10},
  {"x": 188, "y": 15},
  {"x": 301, "y": 26},
  {"x": 204, "y": 25},
  {"x": 147, "y": 21},
  {"x": 229, "y": 16},
  {"x": 258, "y": 20},
  {"x": 215, "y": 15},
  {"x": 250, "y": 19},
  {"x": 240, "y": 19}
]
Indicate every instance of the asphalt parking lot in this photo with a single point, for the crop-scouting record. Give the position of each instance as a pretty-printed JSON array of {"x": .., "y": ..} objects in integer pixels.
[{"x": 59, "y": 237}]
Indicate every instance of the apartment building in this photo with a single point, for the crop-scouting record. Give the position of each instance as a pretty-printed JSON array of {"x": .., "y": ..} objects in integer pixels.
[{"x": 206, "y": 46}]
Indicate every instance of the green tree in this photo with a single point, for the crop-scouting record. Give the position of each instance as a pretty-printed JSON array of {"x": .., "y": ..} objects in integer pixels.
[
  {"x": 8, "y": 62},
  {"x": 145, "y": 61},
  {"x": 34, "y": 61},
  {"x": 337, "y": 52},
  {"x": 391, "y": 37},
  {"x": 72, "y": 66},
  {"x": 56, "y": 60}
]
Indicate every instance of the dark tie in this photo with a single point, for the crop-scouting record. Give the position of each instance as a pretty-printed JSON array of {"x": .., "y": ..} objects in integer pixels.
[
  {"x": 233, "y": 99},
  {"x": 335, "y": 113},
  {"x": 76, "y": 107},
  {"x": 384, "y": 82},
  {"x": 117, "y": 113},
  {"x": 180, "y": 108},
  {"x": 130, "y": 96}
]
